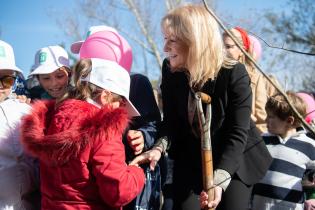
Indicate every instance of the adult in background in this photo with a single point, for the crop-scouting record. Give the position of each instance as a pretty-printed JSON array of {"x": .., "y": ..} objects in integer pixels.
[{"x": 258, "y": 83}]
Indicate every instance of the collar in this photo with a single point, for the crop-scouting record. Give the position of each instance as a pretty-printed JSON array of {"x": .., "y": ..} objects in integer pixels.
[{"x": 300, "y": 131}]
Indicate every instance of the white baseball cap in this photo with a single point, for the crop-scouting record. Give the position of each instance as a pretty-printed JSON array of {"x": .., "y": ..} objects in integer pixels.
[
  {"x": 112, "y": 77},
  {"x": 7, "y": 60},
  {"x": 49, "y": 59},
  {"x": 75, "y": 47}
]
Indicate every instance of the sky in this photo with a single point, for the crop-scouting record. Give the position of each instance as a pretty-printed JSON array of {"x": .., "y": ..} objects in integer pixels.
[{"x": 27, "y": 25}]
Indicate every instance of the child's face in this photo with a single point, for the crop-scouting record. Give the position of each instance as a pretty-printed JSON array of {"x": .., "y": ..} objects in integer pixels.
[
  {"x": 275, "y": 125},
  {"x": 107, "y": 98},
  {"x": 54, "y": 83},
  {"x": 231, "y": 48},
  {"x": 5, "y": 90}
]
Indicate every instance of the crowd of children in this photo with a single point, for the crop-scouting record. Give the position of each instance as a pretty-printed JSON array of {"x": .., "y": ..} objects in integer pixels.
[{"x": 90, "y": 136}]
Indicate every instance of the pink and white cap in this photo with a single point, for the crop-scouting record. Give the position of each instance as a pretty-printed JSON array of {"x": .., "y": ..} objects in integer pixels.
[
  {"x": 7, "y": 59},
  {"x": 112, "y": 77},
  {"x": 108, "y": 45},
  {"x": 256, "y": 47},
  {"x": 310, "y": 106},
  {"x": 75, "y": 47}
]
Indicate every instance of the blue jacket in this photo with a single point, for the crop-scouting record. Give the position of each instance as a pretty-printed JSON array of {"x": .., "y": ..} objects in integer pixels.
[{"x": 142, "y": 97}]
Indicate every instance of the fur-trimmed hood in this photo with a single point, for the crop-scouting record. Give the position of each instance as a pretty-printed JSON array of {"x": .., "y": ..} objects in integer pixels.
[{"x": 57, "y": 134}]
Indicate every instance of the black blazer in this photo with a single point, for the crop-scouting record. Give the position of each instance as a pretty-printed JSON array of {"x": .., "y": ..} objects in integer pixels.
[{"x": 236, "y": 144}]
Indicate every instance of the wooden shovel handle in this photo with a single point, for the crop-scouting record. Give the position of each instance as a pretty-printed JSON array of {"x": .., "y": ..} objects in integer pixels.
[{"x": 207, "y": 168}]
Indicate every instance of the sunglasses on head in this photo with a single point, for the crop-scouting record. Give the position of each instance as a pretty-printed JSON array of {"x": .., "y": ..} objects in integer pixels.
[{"x": 7, "y": 81}]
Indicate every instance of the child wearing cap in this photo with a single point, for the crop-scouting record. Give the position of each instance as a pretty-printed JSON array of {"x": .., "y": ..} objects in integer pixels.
[
  {"x": 106, "y": 43},
  {"x": 52, "y": 70},
  {"x": 79, "y": 141},
  {"x": 17, "y": 169}
]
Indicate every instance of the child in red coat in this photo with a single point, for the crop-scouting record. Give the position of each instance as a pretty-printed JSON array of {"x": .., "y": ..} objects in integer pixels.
[{"x": 78, "y": 141}]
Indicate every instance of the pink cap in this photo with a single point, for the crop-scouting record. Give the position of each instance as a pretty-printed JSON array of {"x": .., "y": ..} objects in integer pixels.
[
  {"x": 310, "y": 106},
  {"x": 108, "y": 45},
  {"x": 256, "y": 47},
  {"x": 75, "y": 47}
]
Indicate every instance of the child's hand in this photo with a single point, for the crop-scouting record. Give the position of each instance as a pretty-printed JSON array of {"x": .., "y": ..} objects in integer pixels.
[
  {"x": 309, "y": 178},
  {"x": 23, "y": 99},
  {"x": 136, "y": 141}
]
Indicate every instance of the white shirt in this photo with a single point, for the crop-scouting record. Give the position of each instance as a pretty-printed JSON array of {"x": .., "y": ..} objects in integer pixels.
[{"x": 17, "y": 172}]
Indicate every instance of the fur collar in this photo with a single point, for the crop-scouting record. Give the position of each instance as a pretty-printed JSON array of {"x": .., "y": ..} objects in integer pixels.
[{"x": 57, "y": 134}]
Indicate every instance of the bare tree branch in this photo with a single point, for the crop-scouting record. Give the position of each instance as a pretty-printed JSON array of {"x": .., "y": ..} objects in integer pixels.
[
  {"x": 282, "y": 48},
  {"x": 135, "y": 11}
]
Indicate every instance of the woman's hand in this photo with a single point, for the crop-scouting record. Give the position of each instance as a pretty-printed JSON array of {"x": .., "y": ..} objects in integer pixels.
[
  {"x": 213, "y": 204},
  {"x": 151, "y": 156}
]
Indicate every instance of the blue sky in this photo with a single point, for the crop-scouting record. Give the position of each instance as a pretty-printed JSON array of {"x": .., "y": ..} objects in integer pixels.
[{"x": 27, "y": 26}]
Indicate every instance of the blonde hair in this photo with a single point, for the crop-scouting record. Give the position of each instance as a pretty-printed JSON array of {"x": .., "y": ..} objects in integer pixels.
[
  {"x": 250, "y": 67},
  {"x": 83, "y": 90},
  {"x": 199, "y": 32},
  {"x": 280, "y": 107}
]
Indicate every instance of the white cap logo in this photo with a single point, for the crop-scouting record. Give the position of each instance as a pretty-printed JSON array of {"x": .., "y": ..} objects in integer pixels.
[{"x": 42, "y": 57}]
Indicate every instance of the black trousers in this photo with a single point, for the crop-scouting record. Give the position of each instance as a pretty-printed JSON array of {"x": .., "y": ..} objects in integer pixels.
[{"x": 236, "y": 196}]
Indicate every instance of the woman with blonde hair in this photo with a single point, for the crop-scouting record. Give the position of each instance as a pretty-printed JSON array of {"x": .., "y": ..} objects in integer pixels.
[
  {"x": 78, "y": 141},
  {"x": 196, "y": 61}
]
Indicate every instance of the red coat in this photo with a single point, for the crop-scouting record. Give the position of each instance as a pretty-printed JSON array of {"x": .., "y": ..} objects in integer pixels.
[{"x": 82, "y": 157}]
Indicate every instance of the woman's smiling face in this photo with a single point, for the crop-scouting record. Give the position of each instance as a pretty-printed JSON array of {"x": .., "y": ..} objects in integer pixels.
[{"x": 176, "y": 51}]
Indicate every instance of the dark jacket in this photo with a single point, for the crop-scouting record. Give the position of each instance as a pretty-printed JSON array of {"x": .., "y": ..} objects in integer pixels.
[
  {"x": 142, "y": 97},
  {"x": 236, "y": 144}
]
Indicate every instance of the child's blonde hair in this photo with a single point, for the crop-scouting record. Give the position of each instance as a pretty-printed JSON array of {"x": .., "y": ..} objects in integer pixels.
[{"x": 280, "y": 107}]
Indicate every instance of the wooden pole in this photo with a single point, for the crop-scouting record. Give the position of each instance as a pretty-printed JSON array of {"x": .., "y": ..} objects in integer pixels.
[{"x": 206, "y": 148}]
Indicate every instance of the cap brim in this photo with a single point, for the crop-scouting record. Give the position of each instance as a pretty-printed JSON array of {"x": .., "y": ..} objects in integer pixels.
[
  {"x": 131, "y": 109},
  {"x": 44, "y": 69},
  {"x": 10, "y": 67},
  {"x": 75, "y": 47}
]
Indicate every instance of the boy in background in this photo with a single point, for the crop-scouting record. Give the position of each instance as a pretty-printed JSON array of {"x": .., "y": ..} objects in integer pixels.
[{"x": 292, "y": 152}]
